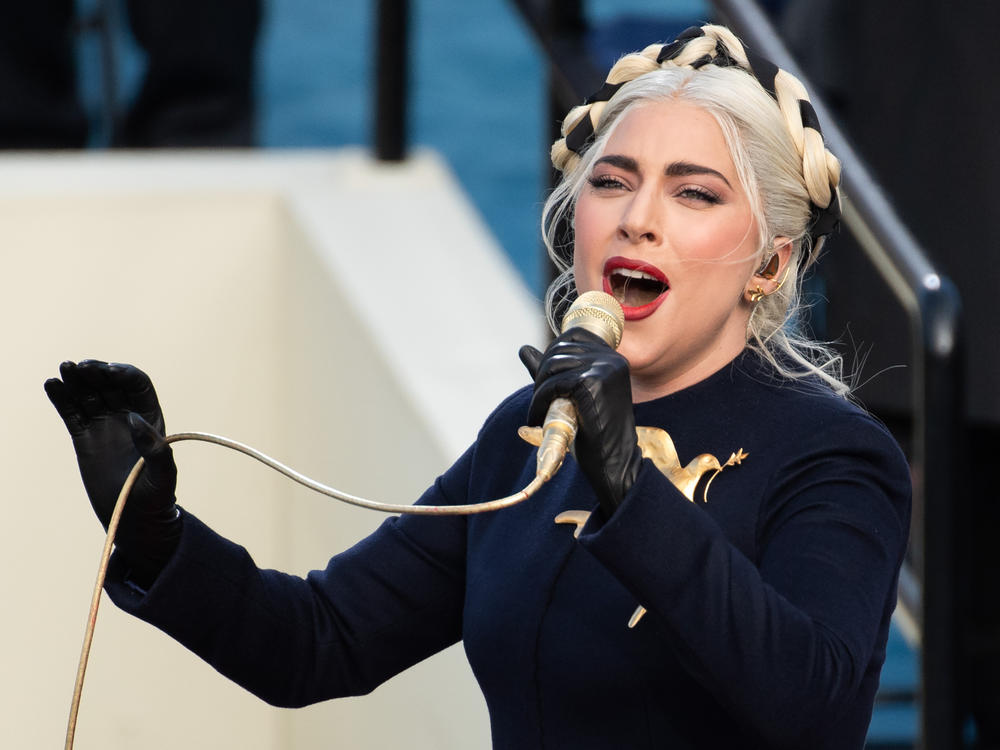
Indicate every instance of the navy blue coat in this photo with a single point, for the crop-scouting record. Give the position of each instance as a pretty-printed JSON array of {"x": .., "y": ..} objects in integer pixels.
[{"x": 769, "y": 601}]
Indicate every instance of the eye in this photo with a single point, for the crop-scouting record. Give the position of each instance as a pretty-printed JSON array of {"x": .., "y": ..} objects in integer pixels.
[
  {"x": 699, "y": 194},
  {"x": 606, "y": 182}
]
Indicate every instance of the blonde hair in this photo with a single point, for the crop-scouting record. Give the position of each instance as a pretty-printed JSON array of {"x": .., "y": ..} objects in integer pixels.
[{"x": 781, "y": 161}]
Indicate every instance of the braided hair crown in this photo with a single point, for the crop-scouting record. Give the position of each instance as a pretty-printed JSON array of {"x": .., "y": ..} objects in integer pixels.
[{"x": 712, "y": 45}]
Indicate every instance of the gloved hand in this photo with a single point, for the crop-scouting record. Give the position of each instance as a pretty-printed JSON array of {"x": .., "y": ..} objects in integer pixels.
[
  {"x": 581, "y": 367},
  {"x": 113, "y": 417}
]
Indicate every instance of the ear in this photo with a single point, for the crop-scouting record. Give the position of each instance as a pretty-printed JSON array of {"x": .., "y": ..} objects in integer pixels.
[{"x": 771, "y": 274}]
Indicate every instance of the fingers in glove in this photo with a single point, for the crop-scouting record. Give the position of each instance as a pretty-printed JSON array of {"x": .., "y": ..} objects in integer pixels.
[
  {"x": 66, "y": 406},
  {"x": 568, "y": 360},
  {"x": 114, "y": 397},
  {"x": 138, "y": 391},
  {"x": 82, "y": 388},
  {"x": 570, "y": 350},
  {"x": 98, "y": 378},
  {"x": 582, "y": 384},
  {"x": 531, "y": 358},
  {"x": 110, "y": 388}
]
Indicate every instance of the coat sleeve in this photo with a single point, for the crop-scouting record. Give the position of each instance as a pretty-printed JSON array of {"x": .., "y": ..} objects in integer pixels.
[
  {"x": 385, "y": 604},
  {"x": 783, "y": 641}
]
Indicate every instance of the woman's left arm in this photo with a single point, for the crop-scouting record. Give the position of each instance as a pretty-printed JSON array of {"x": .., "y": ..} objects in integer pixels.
[{"x": 785, "y": 640}]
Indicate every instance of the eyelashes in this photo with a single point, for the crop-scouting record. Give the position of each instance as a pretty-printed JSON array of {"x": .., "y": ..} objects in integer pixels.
[
  {"x": 699, "y": 194},
  {"x": 695, "y": 193},
  {"x": 605, "y": 182}
]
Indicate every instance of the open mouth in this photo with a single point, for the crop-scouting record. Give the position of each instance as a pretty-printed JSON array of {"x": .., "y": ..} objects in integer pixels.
[{"x": 638, "y": 287}]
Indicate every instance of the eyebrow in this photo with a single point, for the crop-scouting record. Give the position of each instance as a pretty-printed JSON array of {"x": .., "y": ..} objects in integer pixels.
[
  {"x": 674, "y": 169},
  {"x": 686, "y": 168}
]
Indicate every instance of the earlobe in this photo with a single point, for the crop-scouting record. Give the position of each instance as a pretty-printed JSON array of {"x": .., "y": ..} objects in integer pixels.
[{"x": 756, "y": 294}]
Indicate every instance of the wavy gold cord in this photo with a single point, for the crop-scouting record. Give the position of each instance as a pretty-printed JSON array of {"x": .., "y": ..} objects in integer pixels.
[
  {"x": 429, "y": 510},
  {"x": 95, "y": 601}
]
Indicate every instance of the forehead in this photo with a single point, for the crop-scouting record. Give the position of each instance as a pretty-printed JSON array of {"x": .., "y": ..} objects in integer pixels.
[{"x": 664, "y": 132}]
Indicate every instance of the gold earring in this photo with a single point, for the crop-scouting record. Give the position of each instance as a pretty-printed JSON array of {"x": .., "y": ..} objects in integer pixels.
[{"x": 758, "y": 293}]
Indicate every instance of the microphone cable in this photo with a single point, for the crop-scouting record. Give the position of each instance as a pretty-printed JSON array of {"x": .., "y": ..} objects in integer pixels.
[
  {"x": 596, "y": 311},
  {"x": 429, "y": 510}
]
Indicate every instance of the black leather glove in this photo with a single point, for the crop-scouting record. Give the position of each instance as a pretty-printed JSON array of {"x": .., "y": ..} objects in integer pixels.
[
  {"x": 113, "y": 417},
  {"x": 581, "y": 367}
]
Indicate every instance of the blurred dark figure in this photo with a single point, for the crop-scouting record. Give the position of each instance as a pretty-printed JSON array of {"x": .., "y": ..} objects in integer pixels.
[
  {"x": 921, "y": 106},
  {"x": 197, "y": 89},
  {"x": 38, "y": 103}
]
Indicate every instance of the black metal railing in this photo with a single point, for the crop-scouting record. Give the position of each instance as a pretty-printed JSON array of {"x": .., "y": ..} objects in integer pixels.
[
  {"x": 391, "y": 83},
  {"x": 933, "y": 306},
  {"x": 932, "y": 575}
]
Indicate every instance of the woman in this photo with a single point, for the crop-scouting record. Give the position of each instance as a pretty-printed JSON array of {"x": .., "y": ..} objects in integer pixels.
[{"x": 740, "y": 600}]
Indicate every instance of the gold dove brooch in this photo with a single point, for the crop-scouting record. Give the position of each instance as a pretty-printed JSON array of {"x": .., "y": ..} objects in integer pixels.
[{"x": 658, "y": 447}]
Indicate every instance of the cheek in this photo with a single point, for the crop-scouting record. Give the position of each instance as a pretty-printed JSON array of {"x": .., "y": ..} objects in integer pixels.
[
  {"x": 716, "y": 282},
  {"x": 586, "y": 241},
  {"x": 731, "y": 239},
  {"x": 584, "y": 223}
]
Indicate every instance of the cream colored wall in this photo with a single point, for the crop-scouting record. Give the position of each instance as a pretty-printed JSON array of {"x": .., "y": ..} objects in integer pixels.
[{"x": 293, "y": 302}]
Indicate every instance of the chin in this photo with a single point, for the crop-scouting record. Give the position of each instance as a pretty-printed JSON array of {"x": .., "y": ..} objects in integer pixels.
[{"x": 641, "y": 361}]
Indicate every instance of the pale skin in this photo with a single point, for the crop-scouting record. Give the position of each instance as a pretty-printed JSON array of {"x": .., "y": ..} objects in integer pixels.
[{"x": 665, "y": 193}]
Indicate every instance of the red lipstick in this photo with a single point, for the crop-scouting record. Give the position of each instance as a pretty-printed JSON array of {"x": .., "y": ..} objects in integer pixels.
[{"x": 640, "y": 287}]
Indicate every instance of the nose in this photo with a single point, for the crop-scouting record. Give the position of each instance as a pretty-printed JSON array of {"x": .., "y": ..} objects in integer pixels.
[{"x": 641, "y": 219}]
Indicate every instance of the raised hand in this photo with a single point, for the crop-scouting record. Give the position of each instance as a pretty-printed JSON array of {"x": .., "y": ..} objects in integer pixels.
[{"x": 113, "y": 417}]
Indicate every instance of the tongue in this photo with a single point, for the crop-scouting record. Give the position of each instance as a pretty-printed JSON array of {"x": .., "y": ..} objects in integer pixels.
[{"x": 635, "y": 292}]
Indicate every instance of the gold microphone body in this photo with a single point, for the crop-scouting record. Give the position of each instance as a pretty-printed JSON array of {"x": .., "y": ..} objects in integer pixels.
[{"x": 600, "y": 314}]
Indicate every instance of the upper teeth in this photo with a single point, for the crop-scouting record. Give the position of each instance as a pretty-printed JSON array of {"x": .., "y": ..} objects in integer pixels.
[{"x": 635, "y": 274}]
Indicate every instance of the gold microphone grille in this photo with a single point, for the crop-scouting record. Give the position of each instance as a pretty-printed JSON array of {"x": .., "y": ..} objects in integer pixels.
[{"x": 599, "y": 313}]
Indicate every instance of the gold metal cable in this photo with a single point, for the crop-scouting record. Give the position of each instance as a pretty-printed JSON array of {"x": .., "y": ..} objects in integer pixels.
[{"x": 428, "y": 510}]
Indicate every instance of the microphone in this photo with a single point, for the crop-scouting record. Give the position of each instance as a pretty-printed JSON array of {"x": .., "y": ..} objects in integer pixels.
[{"x": 600, "y": 314}]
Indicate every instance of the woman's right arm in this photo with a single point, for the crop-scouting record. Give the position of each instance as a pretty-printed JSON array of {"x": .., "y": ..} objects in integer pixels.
[
  {"x": 377, "y": 608},
  {"x": 390, "y": 601}
]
